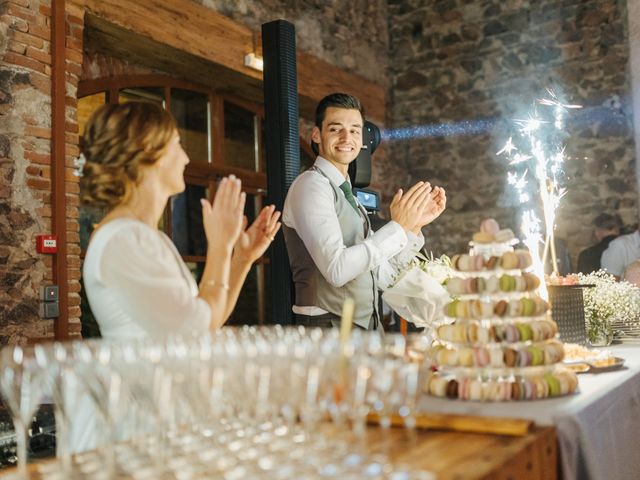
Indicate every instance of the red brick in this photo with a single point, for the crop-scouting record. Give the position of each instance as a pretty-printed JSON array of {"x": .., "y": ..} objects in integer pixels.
[
  {"x": 73, "y": 225},
  {"x": 73, "y": 249},
  {"x": 39, "y": 31},
  {"x": 71, "y": 127},
  {"x": 72, "y": 19},
  {"x": 22, "y": 61},
  {"x": 74, "y": 44},
  {"x": 39, "y": 183},
  {"x": 72, "y": 187},
  {"x": 39, "y": 55},
  {"x": 74, "y": 298},
  {"x": 44, "y": 211},
  {"x": 22, "y": 3},
  {"x": 74, "y": 55},
  {"x": 72, "y": 138},
  {"x": 37, "y": 132},
  {"x": 74, "y": 287},
  {"x": 76, "y": 32},
  {"x": 71, "y": 150},
  {"x": 45, "y": 10},
  {"x": 21, "y": 12},
  {"x": 29, "y": 39},
  {"x": 43, "y": 171},
  {"x": 74, "y": 312},
  {"x": 73, "y": 261},
  {"x": 71, "y": 102},
  {"x": 17, "y": 47},
  {"x": 15, "y": 23},
  {"x": 72, "y": 212},
  {"x": 43, "y": 195},
  {"x": 41, "y": 82},
  {"x": 74, "y": 68},
  {"x": 41, "y": 158}
]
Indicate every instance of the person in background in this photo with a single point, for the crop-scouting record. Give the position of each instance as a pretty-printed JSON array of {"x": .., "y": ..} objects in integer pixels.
[
  {"x": 136, "y": 282},
  {"x": 333, "y": 252},
  {"x": 621, "y": 253},
  {"x": 606, "y": 228},
  {"x": 632, "y": 273}
]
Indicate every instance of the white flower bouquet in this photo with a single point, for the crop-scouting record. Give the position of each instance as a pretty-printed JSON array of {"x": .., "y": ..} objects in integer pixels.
[
  {"x": 417, "y": 294},
  {"x": 608, "y": 301}
]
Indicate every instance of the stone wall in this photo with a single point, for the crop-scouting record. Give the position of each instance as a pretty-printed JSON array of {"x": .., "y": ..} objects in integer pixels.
[
  {"x": 459, "y": 61},
  {"x": 25, "y": 165}
]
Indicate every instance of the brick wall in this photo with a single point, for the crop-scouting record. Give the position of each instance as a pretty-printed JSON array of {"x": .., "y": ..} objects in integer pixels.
[{"x": 25, "y": 164}]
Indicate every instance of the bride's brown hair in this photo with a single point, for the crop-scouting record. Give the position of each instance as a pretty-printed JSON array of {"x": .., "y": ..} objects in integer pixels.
[{"x": 118, "y": 140}]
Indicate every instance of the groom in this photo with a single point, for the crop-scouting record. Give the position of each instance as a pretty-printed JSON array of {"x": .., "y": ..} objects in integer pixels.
[{"x": 333, "y": 253}]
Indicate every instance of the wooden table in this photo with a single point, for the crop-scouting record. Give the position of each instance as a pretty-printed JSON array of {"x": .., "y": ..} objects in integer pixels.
[{"x": 451, "y": 455}]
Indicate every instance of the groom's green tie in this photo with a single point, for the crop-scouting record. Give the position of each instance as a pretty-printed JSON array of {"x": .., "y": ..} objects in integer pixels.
[{"x": 346, "y": 188}]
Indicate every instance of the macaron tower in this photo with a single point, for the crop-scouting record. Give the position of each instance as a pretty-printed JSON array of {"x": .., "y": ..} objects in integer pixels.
[{"x": 498, "y": 341}]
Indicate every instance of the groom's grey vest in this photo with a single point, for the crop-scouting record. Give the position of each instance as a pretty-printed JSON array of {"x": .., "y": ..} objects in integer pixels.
[{"x": 312, "y": 289}]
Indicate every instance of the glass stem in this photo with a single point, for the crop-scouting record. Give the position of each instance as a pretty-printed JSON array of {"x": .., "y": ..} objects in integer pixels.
[
  {"x": 21, "y": 441},
  {"x": 62, "y": 439}
]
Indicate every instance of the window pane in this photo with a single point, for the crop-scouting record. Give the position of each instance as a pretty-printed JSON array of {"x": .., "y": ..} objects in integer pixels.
[
  {"x": 187, "y": 231},
  {"x": 239, "y": 137},
  {"x": 246, "y": 311},
  {"x": 86, "y": 106},
  {"x": 191, "y": 111},
  {"x": 142, "y": 94}
]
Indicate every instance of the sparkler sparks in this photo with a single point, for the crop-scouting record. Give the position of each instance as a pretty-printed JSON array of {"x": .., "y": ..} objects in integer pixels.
[{"x": 538, "y": 149}]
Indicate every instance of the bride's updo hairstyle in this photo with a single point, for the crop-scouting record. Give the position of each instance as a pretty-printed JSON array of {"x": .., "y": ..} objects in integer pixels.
[{"x": 118, "y": 140}]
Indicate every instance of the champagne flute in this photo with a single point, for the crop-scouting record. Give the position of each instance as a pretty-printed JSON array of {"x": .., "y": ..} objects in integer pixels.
[{"x": 21, "y": 383}]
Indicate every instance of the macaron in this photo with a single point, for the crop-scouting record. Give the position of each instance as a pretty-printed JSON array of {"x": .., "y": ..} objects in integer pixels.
[
  {"x": 492, "y": 284},
  {"x": 496, "y": 357},
  {"x": 489, "y": 225},
  {"x": 509, "y": 261},
  {"x": 521, "y": 284},
  {"x": 492, "y": 262},
  {"x": 554, "y": 385},
  {"x": 533, "y": 282},
  {"x": 500, "y": 308},
  {"x": 465, "y": 357},
  {"x": 507, "y": 283},
  {"x": 504, "y": 235},
  {"x": 452, "y": 388},
  {"x": 528, "y": 307},
  {"x": 475, "y": 390},
  {"x": 524, "y": 259},
  {"x": 510, "y": 357},
  {"x": 512, "y": 333},
  {"x": 525, "y": 331},
  {"x": 483, "y": 237},
  {"x": 438, "y": 386}
]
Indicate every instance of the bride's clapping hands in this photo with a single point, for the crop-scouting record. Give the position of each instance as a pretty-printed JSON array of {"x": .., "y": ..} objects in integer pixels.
[{"x": 223, "y": 219}]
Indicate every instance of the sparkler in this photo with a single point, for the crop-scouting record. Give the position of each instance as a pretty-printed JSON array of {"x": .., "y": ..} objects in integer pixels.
[{"x": 539, "y": 150}]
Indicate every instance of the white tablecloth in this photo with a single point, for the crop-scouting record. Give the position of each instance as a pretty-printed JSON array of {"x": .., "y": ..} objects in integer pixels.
[{"x": 598, "y": 427}]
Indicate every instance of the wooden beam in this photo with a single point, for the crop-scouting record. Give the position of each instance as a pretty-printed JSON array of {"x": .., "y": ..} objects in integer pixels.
[
  {"x": 58, "y": 197},
  {"x": 201, "y": 34}
]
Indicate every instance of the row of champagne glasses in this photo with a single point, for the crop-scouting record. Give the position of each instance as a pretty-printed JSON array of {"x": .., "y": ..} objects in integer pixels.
[{"x": 151, "y": 393}]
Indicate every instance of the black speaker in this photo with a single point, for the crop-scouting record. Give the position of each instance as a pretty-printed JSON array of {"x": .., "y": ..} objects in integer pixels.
[
  {"x": 360, "y": 168},
  {"x": 282, "y": 147}
]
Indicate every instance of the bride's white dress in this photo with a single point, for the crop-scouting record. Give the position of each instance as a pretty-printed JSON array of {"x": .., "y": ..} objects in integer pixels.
[{"x": 138, "y": 287}]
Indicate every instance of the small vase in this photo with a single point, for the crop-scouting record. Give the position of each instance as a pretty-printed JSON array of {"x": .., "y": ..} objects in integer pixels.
[{"x": 600, "y": 332}]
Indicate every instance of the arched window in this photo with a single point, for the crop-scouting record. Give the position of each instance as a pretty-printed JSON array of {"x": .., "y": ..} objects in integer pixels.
[{"x": 222, "y": 134}]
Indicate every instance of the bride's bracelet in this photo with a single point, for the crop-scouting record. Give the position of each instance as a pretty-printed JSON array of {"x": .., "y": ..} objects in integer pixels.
[{"x": 215, "y": 283}]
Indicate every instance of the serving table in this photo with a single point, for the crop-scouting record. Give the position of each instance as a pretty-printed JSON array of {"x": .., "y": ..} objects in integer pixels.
[
  {"x": 449, "y": 455},
  {"x": 598, "y": 428}
]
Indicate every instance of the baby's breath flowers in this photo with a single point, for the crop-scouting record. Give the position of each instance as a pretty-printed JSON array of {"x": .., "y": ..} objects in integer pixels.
[{"x": 606, "y": 301}]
